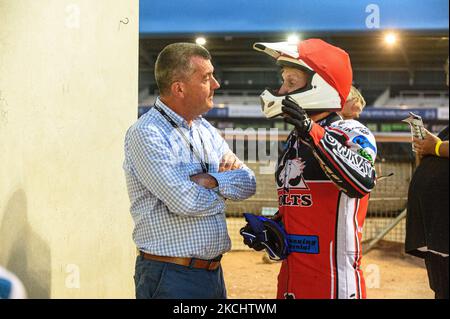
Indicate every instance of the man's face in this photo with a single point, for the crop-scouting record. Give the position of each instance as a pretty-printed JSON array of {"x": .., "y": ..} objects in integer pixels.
[
  {"x": 293, "y": 79},
  {"x": 352, "y": 109},
  {"x": 200, "y": 86}
]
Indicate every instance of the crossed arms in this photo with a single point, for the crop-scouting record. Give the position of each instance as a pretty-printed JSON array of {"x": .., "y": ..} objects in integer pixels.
[{"x": 168, "y": 178}]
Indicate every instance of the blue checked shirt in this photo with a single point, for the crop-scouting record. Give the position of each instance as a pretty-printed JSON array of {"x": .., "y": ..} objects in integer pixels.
[{"x": 174, "y": 216}]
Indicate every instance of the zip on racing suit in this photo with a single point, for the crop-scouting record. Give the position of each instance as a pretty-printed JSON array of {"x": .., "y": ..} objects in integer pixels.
[{"x": 324, "y": 181}]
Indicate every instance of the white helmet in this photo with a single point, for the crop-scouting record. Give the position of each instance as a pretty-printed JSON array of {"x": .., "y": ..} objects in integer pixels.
[{"x": 329, "y": 81}]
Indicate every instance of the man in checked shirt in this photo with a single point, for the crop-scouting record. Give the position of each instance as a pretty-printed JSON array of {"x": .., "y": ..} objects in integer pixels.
[{"x": 179, "y": 172}]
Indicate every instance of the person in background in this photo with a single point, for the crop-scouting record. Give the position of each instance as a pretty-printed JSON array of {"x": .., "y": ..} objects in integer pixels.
[
  {"x": 179, "y": 172},
  {"x": 353, "y": 106},
  {"x": 427, "y": 224},
  {"x": 432, "y": 145}
]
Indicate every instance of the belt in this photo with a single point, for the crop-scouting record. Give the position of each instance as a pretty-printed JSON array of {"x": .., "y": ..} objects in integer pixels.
[{"x": 212, "y": 264}]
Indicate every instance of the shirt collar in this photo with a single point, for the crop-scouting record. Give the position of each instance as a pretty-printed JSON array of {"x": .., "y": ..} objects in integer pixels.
[
  {"x": 330, "y": 118},
  {"x": 179, "y": 120}
]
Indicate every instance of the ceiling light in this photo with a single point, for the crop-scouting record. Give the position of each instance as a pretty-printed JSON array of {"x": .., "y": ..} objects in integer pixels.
[
  {"x": 390, "y": 38},
  {"x": 200, "y": 41},
  {"x": 293, "y": 39}
]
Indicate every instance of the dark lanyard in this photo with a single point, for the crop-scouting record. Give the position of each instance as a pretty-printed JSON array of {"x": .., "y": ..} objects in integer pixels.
[{"x": 205, "y": 166}]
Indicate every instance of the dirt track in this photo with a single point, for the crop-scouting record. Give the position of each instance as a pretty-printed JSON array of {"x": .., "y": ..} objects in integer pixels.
[{"x": 389, "y": 273}]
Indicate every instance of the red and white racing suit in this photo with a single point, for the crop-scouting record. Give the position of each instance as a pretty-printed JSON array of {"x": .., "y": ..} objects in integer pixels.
[{"x": 324, "y": 183}]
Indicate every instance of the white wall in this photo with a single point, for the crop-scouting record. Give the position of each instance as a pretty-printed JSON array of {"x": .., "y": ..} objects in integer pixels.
[{"x": 68, "y": 92}]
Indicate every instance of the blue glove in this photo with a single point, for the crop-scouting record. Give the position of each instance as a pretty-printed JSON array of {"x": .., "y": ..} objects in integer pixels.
[
  {"x": 264, "y": 233},
  {"x": 250, "y": 238}
]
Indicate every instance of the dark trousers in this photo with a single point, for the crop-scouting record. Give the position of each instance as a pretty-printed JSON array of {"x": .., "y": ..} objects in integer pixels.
[
  {"x": 161, "y": 280},
  {"x": 437, "y": 268}
]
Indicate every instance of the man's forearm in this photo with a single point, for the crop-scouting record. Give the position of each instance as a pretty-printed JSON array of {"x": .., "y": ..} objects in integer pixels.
[
  {"x": 205, "y": 180},
  {"x": 443, "y": 149},
  {"x": 349, "y": 170},
  {"x": 237, "y": 184}
]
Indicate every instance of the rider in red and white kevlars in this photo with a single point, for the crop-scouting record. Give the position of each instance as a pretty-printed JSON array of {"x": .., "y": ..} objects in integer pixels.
[{"x": 325, "y": 174}]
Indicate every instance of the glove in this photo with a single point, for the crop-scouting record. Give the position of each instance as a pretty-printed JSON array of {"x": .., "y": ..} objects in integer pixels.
[
  {"x": 265, "y": 233},
  {"x": 251, "y": 239},
  {"x": 253, "y": 243},
  {"x": 295, "y": 115}
]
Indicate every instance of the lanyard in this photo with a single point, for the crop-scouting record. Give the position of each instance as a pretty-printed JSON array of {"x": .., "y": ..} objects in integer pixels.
[{"x": 205, "y": 166}]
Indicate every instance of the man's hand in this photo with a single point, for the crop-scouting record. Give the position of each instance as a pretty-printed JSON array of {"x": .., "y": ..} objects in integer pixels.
[
  {"x": 205, "y": 180},
  {"x": 427, "y": 145},
  {"x": 296, "y": 116},
  {"x": 229, "y": 162}
]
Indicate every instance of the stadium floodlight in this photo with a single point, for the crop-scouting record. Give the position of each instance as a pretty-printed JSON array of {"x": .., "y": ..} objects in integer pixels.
[
  {"x": 390, "y": 38},
  {"x": 293, "y": 39},
  {"x": 200, "y": 41}
]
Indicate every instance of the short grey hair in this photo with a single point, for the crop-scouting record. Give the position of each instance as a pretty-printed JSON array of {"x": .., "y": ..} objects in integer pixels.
[{"x": 174, "y": 63}]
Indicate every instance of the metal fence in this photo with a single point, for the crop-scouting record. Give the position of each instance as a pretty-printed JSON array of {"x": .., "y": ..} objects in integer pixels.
[{"x": 387, "y": 201}]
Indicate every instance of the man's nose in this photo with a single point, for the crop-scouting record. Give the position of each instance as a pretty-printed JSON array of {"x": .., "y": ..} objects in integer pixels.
[
  {"x": 283, "y": 90},
  {"x": 215, "y": 84}
]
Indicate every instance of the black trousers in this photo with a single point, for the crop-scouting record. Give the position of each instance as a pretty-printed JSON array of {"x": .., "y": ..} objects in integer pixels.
[{"x": 437, "y": 268}]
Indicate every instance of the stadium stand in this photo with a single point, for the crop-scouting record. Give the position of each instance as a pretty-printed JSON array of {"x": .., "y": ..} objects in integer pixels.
[{"x": 393, "y": 82}]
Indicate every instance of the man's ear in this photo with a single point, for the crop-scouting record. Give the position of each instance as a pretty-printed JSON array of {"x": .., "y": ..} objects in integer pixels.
[{"x": 177, "y": 89}]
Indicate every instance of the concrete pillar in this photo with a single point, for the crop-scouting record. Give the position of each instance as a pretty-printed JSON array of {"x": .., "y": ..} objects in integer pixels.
[{"x": 68, "y": 92}]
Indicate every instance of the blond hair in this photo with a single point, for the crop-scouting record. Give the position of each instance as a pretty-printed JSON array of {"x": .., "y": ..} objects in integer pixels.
[{"x": 356, "y": 95}]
